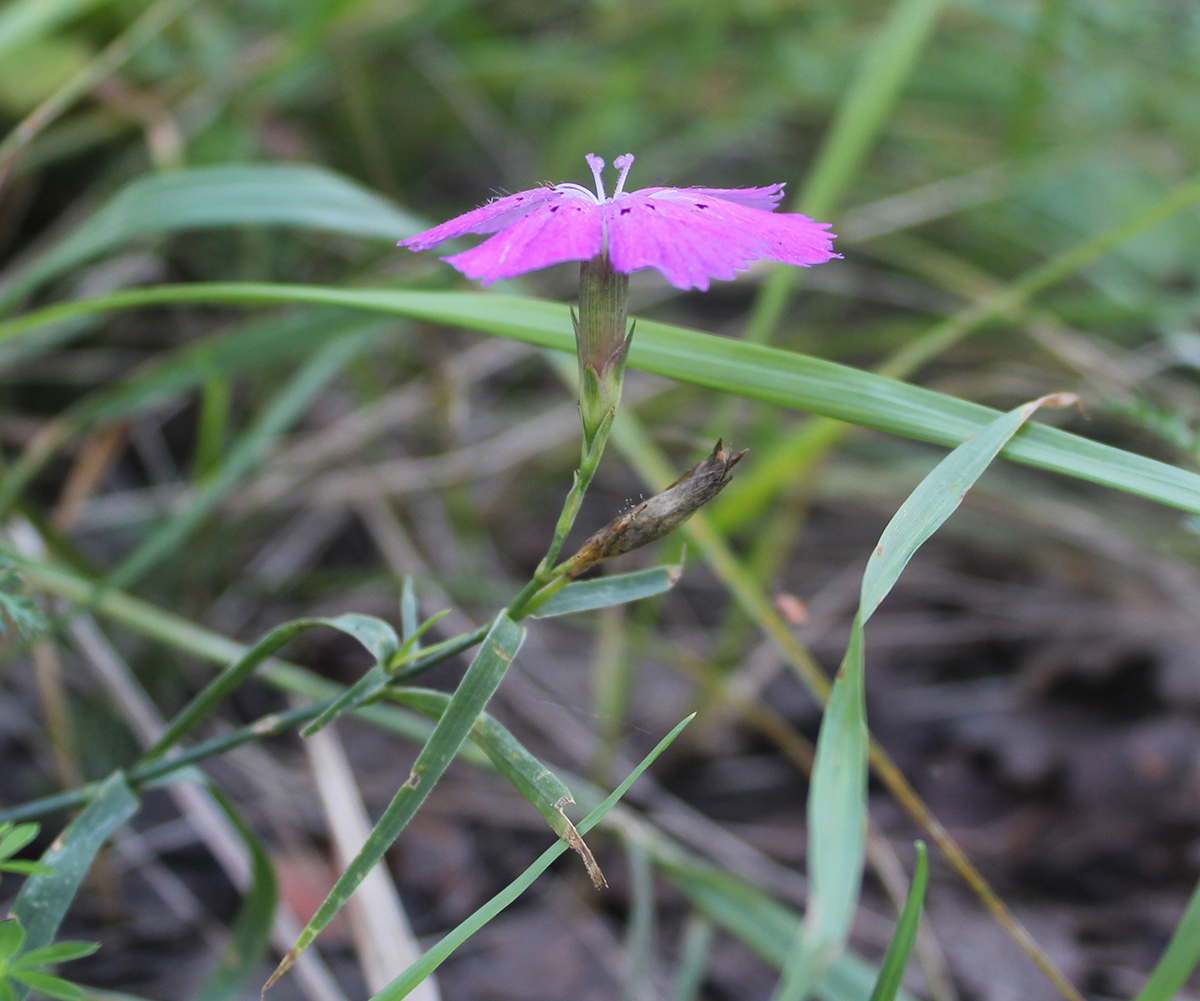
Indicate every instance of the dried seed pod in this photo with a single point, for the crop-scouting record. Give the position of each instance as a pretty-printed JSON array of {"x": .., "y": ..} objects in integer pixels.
[{"x": 662, "y": 513}]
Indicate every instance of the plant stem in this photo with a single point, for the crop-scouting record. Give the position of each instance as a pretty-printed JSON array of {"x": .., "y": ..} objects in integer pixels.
[
  {"x": 602, "y": 346},
  {"x": 547, "y": 571}
]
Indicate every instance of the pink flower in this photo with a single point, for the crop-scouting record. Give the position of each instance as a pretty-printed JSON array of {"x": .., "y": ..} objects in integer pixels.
[{"x": 688, "y": 234}]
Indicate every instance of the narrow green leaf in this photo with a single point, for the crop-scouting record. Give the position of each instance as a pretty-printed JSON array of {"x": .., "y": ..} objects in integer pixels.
[
  {"x": 56, "y": 952},
  {"x": 21, "y": 867},
  {"x": 412, "y": 639},
  {"x": 936, "y": 497},
  {"x": 837, "y": 801},
  {"x": 641, "y": 933},
  {"x": 766, "y": 926},
  {"x": 376, "y": 635},
  {"x": 409, "y": 613},
  {"x": 763, "y": 373},
  {"x": 533, "y": 780},
  {"x": 837, "y": 827},
  {"x": 48, "y": 984},
  {"x": 212, "y": 428},
  {"x": 614, "y": 589},
  {"x": 434, "y": 957},
  {"x": 251, "y": 934},
  {"x": 499, "y": 648},
  {"x": 248, "y": 194},
  {"x": 366, "y": 687},
  {"x": 12, "y": 937},
  {"x": 14, "y": 838},
  {"x": 698, "y": 934},
  {"x": 895, "y": 960},
  {"x": 44, "y": 899},
  {"x": 1180, "y": 957}
]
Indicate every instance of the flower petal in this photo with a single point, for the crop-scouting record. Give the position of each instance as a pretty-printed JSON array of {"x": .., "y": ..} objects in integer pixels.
[
  {"x": 568, "y": 229},
  {"x": 489, "y": 218},
  {"x": 691, "y": 238},
  {"x": 767, "y": 198}
]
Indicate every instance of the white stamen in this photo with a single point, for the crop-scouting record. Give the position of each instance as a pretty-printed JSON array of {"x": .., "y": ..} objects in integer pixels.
[
  {"x": 622, "y": 163},
  {"x": 578, "y": 190},
  {"x": 597, "y": 165}
]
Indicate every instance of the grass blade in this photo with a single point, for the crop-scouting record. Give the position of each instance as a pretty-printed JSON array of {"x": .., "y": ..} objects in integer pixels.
[
  {"x": 641, "y": 927},
  {"x": 433, "y": 958},
  {"x": 246, "y": 194},
  {"x": 837, "y": 800},
  {"x": 251, "y": 933},
  {"x": 615, "y": 589},
  {"x": 499, "y": 648},
  {"x": 45, "y": 897},
  {"x": 936, "y": 497},
  {"x": 376, "y": 635},
  {"x": 1177, "y": 963},
  {"x": 409, "y": 613},
  {"x": 756, "y": 371},
  {"x": 837, "y": 826},
  {"x": 766, "y": 926},
  {"x": 896, "y": 958},
  {"x": 25, "y": 21},
  {"x": 693, "y": 958},
  {"x": 532, "y": 779},
  {"x": 885, "y": 67}
]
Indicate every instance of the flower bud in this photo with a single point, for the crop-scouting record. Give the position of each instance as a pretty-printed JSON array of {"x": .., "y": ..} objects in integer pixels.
[
  {"x": 601, "y": 341},
  {"x": 662, "y": 513}
]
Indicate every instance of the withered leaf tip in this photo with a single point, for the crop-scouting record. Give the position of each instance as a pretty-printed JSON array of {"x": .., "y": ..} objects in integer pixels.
[{"x": 661, "y": 514}]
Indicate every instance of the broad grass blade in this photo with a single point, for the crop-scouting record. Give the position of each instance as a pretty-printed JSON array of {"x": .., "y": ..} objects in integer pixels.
[
  {"x": 431, "y": 960},
  {"x": 45, "y": 897},
  {"x": 935, "y": 499},
  {"x": 616, "y": 589},
  {"x": 248, "y": 194},
  {"x": 1177, "y": 963},
  {"x": 895, "y": 960},
  {"x": 755, "y": 371},
  {"x": 837, "y": 800},
  {"x": 251, "y": 933},
  {"x": 499, "y": 648}
]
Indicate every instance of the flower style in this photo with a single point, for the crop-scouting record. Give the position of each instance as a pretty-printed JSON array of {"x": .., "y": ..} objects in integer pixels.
[{"x": 690, "y": 235}]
